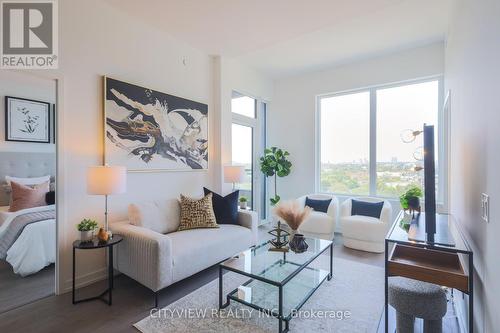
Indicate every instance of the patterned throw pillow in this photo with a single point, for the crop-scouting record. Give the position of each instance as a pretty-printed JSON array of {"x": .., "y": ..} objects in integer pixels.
[{"x": 197, "y": 213}]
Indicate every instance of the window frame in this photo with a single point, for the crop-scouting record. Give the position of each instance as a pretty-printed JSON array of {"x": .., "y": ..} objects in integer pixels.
[
  {"x": 442, "y": 146},
  {"x": 259, "y": 138}
]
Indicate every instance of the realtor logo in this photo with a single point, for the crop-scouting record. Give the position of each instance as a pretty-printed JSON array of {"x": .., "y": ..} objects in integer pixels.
[{"x": 29, "y": 34}]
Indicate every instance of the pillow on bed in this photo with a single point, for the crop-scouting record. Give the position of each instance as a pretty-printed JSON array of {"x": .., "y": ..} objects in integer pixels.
[
  {"x": 30, "y": 181},
  {"x": 24, "y": 197}
]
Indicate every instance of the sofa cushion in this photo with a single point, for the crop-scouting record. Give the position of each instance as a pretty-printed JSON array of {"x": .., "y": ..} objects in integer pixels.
[
  {"x": 197, "y": 249},
  {"x": 225, "y": 208},
  {"x": 318, "y": 205},
  {"x": 363, "y": 228},
  {"x": 197, "y": 213},
  {"x": 317, "y": 222},
  {"x": 365, "y": 208},
  {"x": 162, "y": 217}
]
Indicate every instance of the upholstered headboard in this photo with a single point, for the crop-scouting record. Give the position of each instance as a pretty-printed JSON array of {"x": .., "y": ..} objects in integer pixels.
[{"x": 24, "y": 165}]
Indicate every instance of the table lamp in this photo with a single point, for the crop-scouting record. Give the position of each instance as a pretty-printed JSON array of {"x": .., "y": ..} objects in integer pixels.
[
  {"x": 106, "y": 180},
  {"x": 234, "y": 174}
]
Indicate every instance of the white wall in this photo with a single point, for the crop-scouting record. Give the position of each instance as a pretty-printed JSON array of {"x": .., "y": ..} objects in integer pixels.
[
  {"x": 291, "y": 124},
  {"x": 25, "y": 85},
  {"x": 96, "y": 40},
  {"x": 473, "y": 76}
]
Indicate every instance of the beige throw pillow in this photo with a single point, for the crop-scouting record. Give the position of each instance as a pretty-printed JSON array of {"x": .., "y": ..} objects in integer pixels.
[
  {"x": 23, "y": 197},
  {"x": 197, "y": 213}
]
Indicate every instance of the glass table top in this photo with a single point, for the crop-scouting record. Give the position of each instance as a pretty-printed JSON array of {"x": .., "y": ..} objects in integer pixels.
[
  {"x": 273, "y": 266},
  {"x": 409, "y": 230}
]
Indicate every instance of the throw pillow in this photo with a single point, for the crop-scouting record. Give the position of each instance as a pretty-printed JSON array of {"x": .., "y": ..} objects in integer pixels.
[
  {"x": 318, "y": 205},
  {"x": 50, "y": 198},
  {"x": 24, "y": 197},
  {"x": 197, "y": 213},
  {"x": 159, "y": 216},
  {"x": 372, "y": 209},
  {"x": 225, "y": 208}
]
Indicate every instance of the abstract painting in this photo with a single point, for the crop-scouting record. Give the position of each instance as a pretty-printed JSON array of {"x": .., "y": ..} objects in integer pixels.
[
  {"x": 27, "y": 120},
  {"x": 147, "y": 130}
]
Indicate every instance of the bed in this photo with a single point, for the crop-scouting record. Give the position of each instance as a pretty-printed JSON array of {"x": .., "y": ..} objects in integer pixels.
[{"x": 28, "y": 236}]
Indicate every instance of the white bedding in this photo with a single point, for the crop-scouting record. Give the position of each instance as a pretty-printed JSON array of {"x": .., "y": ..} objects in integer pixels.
[{"x": 35, "y": 248}]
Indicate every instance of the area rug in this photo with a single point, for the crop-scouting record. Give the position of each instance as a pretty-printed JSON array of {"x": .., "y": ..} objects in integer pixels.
[{"x": 351, "y": 302}]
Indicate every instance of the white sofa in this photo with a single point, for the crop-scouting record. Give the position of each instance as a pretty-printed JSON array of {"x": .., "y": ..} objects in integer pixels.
[
  {"x": 157, "y": 260},
  {"x": 319, "y": 224},
  {"x": 364, "y": 232}
]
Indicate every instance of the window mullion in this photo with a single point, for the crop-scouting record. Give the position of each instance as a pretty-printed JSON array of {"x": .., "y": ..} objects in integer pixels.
[{"x": 373, "y": 142}]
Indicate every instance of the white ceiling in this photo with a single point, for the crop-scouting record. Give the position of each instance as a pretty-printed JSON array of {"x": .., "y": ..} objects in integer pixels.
[{"x": 285, "y": 37}]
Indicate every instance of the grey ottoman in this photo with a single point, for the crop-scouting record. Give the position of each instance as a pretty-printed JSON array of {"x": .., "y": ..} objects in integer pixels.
[{"x": 412, "y": 298}]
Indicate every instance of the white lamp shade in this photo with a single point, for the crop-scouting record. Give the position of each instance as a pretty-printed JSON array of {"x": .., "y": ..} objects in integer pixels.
[
  {"x": 106, "y": 180},
  {"x": 234, "y": 173}
]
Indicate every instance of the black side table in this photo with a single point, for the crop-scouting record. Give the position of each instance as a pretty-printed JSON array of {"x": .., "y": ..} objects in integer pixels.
[{"x": 97, "y": 244}]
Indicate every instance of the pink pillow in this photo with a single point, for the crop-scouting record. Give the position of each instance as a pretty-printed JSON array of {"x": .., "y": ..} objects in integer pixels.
[{"x": 23, "y": 196}]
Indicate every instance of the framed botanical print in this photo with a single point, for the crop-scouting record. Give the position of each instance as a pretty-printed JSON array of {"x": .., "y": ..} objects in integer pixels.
[
  {"x": 27, "y": 120},
  {"x": 147, "y": 130}
]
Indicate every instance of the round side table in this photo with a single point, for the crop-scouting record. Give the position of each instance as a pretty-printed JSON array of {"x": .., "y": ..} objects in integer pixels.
[{"x": 91, "y": 245}]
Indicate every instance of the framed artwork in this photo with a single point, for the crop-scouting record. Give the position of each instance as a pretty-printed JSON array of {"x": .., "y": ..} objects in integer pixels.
[
  {"x": 27, "y": 120},
  {"x": 147, "y": 130}
]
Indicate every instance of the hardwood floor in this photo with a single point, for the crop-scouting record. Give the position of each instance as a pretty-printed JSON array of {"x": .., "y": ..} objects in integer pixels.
[
  {"x": 16, "y": 290},
  {"x": 131, "y": 301}
]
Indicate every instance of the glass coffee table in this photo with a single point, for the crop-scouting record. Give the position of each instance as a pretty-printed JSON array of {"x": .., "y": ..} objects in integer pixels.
[{"x": 280, "y": 283}]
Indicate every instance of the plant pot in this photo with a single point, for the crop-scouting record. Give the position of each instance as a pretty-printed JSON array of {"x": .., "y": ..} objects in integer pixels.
[
  {"x": 86, "y": 236},
  {"x": 298, "y": 243},
  {"x": 243, "y": 205},
  {"x": 413, "y": 203}
]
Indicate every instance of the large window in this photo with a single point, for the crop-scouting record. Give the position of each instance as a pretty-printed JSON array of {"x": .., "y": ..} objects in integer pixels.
[
  {"x": 345, "y": 143},
  {"x": 360, "y": 147},
  {"x": 242, "y": 154}
]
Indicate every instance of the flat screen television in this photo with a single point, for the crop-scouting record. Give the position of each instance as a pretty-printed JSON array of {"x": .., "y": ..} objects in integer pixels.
[{"x": 429, "y": 183}]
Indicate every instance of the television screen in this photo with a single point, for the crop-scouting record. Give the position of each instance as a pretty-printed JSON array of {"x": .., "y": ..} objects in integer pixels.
[{"x": 429, "y": 182}]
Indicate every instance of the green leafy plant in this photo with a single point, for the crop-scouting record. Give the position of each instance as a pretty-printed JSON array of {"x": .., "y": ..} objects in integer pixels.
[
  {"x": 275, "y": 164},
  {"x": 412, "y": 192},
  {"x": 87, "y": 225},
  {"x": 243, "y": 199}
]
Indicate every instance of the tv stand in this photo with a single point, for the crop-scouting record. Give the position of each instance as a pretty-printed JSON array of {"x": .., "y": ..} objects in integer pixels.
[{"x": 448, "y": 261}]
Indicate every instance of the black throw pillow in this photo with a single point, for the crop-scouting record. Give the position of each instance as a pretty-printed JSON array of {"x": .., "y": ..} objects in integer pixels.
[
  {"x": 372, "y": 209},
  {"x": 50, "y": 198},
  {"x": 225, "y": 208},
  {"x": 318, "y": 205}
]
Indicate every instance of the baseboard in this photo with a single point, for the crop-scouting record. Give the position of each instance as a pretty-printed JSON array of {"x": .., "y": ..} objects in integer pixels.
[{"x": 86, "y": 279}]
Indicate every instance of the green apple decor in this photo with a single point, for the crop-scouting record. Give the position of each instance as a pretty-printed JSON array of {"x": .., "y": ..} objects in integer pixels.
[{"x": 275, "y": 163}]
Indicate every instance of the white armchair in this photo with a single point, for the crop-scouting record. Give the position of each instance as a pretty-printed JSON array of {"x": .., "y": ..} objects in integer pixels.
[
  {"x": 319, "y": 224},
  {"x": 364, "y": 232}
]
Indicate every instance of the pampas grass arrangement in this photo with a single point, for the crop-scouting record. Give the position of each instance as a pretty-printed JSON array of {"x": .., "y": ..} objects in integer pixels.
[{"x": 292, "y": 213}]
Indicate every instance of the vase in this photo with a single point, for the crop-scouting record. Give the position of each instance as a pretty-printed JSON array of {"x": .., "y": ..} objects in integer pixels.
[
  {"x": 298, "y": 243},
  {"x": 86, "y": 236},
  {"x": 243, "y": 205}
]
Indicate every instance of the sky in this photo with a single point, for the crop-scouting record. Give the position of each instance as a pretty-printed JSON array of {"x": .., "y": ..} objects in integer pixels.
[{"x": 345, "y": 122}]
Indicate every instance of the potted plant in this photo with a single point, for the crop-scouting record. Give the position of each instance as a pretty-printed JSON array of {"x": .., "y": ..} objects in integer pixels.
[
  {"x": 275, "y": 163},
  {"x": 86, "y": 228},
  {"x": 243, "y": 202},
  {"x": 410, "y": 200}
]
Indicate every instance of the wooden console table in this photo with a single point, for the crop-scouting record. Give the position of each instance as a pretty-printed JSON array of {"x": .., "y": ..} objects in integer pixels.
[{"x": 447, "y": 260}]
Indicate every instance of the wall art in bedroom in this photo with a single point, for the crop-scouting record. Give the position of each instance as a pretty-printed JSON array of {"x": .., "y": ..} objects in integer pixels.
[
  {"x": 147, "y": 130},
  {"x": 27, "y": 120}
]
